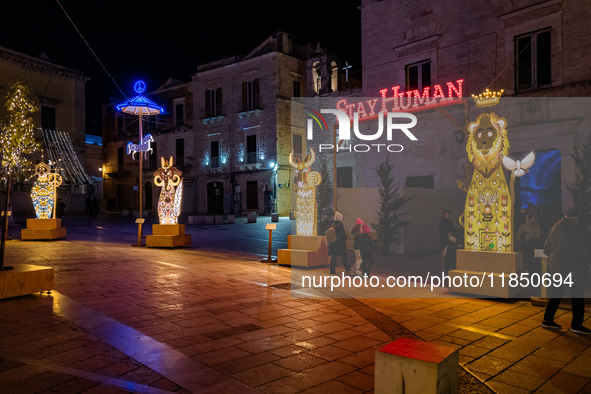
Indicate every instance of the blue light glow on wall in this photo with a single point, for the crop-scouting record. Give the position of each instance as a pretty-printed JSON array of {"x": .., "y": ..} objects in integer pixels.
[{"x": 542, "y": 184}]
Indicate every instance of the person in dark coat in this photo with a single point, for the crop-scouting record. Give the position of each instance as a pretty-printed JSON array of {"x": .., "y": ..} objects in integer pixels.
[
  {"x": 446, "y": 226},
  {"x": 565, "y": 246},
  {"x": 88, "y": 204},
  {"x": 339, "y": 247},
  {"x": 59, "y": 209},
  {"x": 366, "y": 243},
  {"x": 95, "y": 205}
]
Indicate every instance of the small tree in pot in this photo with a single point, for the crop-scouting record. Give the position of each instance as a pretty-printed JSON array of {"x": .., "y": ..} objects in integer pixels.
[
  {"x": 324, "y": 197},
  {"x": 580, "y": 189},
  {"x": 389, "y": 220}
]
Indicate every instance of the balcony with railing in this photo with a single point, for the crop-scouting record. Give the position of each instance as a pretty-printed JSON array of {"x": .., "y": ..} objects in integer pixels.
[{"x": 253, "y": 162}]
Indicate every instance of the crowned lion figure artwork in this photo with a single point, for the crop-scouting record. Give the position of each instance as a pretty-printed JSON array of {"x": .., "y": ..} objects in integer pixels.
[
  {"x": 488, "y": 209},
  {"x": 169, "y": 204}
]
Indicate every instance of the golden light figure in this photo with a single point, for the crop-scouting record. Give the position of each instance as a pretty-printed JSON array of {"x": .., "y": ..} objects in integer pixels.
[
  {"x": 43, "y": 192},
  {"x": 488, "y": 98},
  {"x": 488, "y": 211},
  {"x": 305, "y": 189},
  {"x": 171, "y": 194}
]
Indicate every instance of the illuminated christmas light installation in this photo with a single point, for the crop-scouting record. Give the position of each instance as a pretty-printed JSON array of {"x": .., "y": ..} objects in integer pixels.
[
  {"x": 43, "y": 192},
  {"x": 487, "y": 98},
  {"x": 305, "y": 212},
  {"x": 169, "y": 203},
  {"x": 488, "y": 211},
  {"x": 143, "y": 147}
]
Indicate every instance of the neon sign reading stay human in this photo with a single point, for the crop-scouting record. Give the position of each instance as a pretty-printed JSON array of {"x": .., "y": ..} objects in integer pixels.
[{"x": 404, "y": 101}]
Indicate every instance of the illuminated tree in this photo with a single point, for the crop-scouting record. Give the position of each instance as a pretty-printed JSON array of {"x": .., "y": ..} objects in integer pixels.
[
  {"x": 16, "y": 141},
  {"x": 389, "y": 219},
  {"x": 324, "y": 197},
  {"x": 580, "y": 189}
]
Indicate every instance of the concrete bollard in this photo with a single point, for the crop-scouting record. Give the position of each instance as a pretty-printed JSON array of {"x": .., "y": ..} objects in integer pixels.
[
  {"x": 231, "y": 219},
  {"x": 217, "y": 219},
  {"x": 209, "y": 220},
  {"x": 274, "y": 217},
  {"x": 292, "y": 215},
  {"x": 416, "y": 367},
  {"x": 125, "y": 213},
  {"x": 251, "y": 218},
  {"x": 192, "y": 220},
  {"x": 200, "y": 219}
]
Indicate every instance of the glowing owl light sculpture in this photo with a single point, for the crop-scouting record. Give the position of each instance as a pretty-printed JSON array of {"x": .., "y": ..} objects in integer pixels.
[
  {"x": 44, "y": 191},
  {"x": 169, "y": 203},
  {"x": 305, "y": 212}
]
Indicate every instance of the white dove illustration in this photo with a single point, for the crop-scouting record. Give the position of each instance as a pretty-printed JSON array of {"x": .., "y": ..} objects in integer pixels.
[{"x": 519, "y": 167}]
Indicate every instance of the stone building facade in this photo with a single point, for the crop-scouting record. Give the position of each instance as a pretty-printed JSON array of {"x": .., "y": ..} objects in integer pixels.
[
  {"x": 242, "y": 109},
  {"x": 528, "y": 48},
  {"x": 60, "y": 94},
  {"x": 234, "y": 141},
  {"x": 58, "y": 91},
  {"x": 173, "y": 137}
]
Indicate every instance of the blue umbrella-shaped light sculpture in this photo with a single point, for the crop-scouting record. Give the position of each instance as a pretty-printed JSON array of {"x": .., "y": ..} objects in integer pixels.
[{"x": 141, "y": 106}]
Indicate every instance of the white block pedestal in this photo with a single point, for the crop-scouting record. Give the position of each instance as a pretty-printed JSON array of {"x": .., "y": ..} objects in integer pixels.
[
  {"x": 304, "y": 251},
  {"x": 415, "y": 367},
  {"x": 477, "y": 263}
]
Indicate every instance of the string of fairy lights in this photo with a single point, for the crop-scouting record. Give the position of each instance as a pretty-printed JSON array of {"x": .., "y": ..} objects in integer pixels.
[{"x": 61, "y": 152}]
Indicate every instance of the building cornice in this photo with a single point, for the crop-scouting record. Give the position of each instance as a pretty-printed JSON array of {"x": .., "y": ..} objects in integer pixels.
[{"x": 38, "y": 65}]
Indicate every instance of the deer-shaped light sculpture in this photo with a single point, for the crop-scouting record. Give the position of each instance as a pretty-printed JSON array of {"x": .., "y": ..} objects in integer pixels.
[
  {"x": 305, "y": 189},
  {"x": 169, "y": 204}
]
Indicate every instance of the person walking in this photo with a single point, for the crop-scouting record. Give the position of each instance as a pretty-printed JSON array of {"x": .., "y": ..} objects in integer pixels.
[
  {"x": 565, "y": 246},
  {"x": 88, "y": 204},
  {"x": 366, "y": 244},
  {"x": 446, "y": 226},
  {"x": 95, "y": 206},
  {"x": 59, "y": 210},
  {"x": 338, "y": 248},
  {"x": 528, "y": 238},
  {"x": 356, "y": 230}
]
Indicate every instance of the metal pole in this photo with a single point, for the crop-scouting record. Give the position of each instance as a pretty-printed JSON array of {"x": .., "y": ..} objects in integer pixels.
[
  {"x": 334, "y": 165},
  {"x": 270, "y": 239},
  {"x": 141, "y": 159},
  {"x": 5, "y": 225}
]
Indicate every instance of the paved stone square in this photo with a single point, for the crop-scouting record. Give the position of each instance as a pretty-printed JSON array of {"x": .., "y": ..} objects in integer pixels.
[{"x": 209, "y": 320}]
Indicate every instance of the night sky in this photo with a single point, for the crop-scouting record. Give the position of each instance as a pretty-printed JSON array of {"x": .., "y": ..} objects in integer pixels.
[{"x": 156, "y": 40}]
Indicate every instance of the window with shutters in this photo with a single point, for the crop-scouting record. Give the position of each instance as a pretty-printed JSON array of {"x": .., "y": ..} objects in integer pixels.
[
  {"x": 296, "y": 89},
  {"x": 250, "y": 95},
  {"x": 213, "y": 103},
  {"x": 215, "y": 154},
  {"x": 418, "y": 75},
  {"x": 179, "y": 112},
  {"x": 532, "y": 67},
  {"x": 251, "y": 149},
  {"x": 180, "y": 152},
  {"x": 47, "y": 118}
]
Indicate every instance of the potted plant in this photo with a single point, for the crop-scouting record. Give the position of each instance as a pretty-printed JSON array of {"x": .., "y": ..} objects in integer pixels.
[{"x": 389, "y": 219}]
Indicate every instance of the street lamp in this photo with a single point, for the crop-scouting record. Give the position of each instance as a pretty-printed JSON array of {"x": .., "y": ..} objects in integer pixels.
[
  {"x": 140, "y": 105},
  {"x": 460, "y": 137}
]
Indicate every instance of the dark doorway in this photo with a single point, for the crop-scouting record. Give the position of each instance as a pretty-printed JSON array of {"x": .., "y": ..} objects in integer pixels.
[
  {"x": 120, "y": 196},
  {"x": 252, "y": 195},
  {"x": 148, "y": 194},
  {"x": 345, "y": 177},
  {"x": 424, "y": 181},
  {"x": 215, "y": 198}
]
